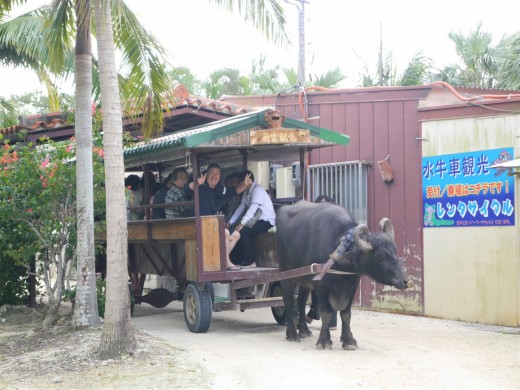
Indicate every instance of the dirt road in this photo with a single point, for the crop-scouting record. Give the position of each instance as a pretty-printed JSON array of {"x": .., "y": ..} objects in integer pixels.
[{"x": 249, "y": 351}]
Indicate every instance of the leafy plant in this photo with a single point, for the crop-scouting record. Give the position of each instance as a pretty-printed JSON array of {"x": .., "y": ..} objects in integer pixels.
[{"x": 38, "y": 211}]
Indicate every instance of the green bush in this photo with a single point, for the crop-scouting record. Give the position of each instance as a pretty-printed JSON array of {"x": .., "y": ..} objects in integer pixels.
[
  {"x": 13, "y": 272},
  {"x": 14, "y": 282},
  {"x": 38, "y": 211}
]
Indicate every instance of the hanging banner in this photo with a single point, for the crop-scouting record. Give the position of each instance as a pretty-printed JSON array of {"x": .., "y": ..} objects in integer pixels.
[{"x": 461, "y": 190}]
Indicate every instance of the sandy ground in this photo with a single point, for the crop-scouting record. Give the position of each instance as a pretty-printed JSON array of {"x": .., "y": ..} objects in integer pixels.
[{"x": 248, "y": 350}]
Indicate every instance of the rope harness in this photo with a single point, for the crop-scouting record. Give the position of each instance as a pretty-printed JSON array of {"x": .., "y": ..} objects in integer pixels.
[{"x": 346, "y": 242}]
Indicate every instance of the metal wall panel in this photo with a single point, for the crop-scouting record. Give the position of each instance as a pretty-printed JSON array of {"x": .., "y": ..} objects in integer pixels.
[{"x": 473, "y": 273}]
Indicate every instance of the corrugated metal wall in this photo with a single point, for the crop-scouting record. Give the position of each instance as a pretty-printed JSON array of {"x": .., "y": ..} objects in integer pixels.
[{"x": 381, "y": 123}]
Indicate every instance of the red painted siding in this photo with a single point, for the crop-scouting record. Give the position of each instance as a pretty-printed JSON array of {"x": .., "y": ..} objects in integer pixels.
[{"x": 380, "y": 122}]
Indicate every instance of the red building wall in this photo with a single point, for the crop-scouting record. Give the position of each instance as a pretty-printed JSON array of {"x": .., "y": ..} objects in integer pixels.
[{"x": 381, "y": 122}]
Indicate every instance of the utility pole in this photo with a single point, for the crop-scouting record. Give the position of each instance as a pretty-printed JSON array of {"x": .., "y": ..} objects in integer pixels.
[
  {"x": 301, "y": 35},
  {"x": 300, "y": 4}
]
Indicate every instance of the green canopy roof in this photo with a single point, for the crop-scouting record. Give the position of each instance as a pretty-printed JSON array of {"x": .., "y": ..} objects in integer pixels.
[{"x": 263, "y": 135}]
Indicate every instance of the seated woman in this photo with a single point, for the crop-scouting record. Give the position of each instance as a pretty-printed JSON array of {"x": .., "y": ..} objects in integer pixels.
[
  {"x": 212, "y": 201},
  {"x": 259, "y": 216}
]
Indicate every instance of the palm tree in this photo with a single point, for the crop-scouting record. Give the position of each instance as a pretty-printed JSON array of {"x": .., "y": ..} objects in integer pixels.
[
  {"x": 226, "y": 81},
  {"x": 481, "y": 64},
  {"x": 264, "y": 80},
  {"x": 417, "y": 72},
  {"x": 85, "y": 308},
  {"x": 183, "y": 75},
  {"x": 508, "y": 51},
  {"x": 118, "y": 334},
  {"x": 478, "y": 58}
]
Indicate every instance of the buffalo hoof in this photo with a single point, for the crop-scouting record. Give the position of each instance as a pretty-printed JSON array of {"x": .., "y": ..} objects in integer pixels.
[
  {"x": 291, "y": 334},
  {"x": 296, "y": 339},
  {"x": 325, "y": 344},
  {"x": 305, "y": 333},
  {"x": 350, "y": 345}
]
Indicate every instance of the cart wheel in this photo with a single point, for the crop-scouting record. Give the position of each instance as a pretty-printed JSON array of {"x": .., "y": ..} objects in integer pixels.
[
  {"x": 278, "y": 311},
  {"x": 197, "y": 308},
  {"x": 209, "y": 287}
]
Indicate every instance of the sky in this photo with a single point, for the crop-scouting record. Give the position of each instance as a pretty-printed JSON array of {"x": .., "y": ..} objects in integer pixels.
[{"x": 338, "y": 33}]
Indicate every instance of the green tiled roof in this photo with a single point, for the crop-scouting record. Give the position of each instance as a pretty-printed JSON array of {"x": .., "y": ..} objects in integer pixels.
[{"x": 159, "y": 148}]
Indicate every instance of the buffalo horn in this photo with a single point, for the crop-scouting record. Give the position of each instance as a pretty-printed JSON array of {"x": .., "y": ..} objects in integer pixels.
[
  {"x": 362, "y": 244},
  {"x": 386, "y": 226}
]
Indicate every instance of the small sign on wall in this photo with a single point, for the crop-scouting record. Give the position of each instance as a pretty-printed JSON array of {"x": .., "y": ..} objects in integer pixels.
[{"x": 461, "y": 190}]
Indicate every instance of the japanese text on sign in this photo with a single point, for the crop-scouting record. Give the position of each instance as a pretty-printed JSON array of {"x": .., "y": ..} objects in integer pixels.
[{"x": 462, "y": 190}]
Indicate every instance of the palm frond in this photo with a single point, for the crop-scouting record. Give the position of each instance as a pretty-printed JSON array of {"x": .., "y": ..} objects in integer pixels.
[
  {"x": 329, "y": 79},
  {"x": 7, "y": 113},
  {"x": 417, "y": 71},
  {"x": 147, "y": 84},
  {"x": 27, "y": 41},
  {"x": 60, "y": 31},
  {"x": 267, "y": 16},
  {"x": 508, "y": 72},
  {"x": 7, "y": 5},
  {"x": 291, "y": 75},
  {"x": 22, "y": 37},
  {"x": 476, "y": 55},
  {"x": 52, "y": 91}
]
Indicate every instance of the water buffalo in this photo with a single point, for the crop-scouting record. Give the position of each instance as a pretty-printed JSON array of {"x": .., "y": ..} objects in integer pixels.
[{"x": 314, "y": 232}]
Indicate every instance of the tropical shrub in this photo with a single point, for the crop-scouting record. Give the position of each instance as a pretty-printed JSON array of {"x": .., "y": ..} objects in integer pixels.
[{"x": 38, "y": 207}]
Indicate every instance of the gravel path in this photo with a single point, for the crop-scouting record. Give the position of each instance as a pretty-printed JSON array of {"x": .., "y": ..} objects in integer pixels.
[{"x": 248, "y": 350}]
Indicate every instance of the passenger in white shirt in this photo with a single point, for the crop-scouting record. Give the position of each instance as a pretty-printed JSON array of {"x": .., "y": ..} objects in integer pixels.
[{"x": 259, "y": 216}]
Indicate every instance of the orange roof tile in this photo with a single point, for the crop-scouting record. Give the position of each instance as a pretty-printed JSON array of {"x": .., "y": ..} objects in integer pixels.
[{"x": 56, "y": 120}]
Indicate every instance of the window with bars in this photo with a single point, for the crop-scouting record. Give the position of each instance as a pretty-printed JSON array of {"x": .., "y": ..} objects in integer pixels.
[{"x": 345, "y": 182}]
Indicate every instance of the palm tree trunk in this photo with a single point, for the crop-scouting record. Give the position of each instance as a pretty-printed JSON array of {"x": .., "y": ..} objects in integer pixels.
[
  {"x": 85, "y": 308},
  {"x": 118, "y": 333}
]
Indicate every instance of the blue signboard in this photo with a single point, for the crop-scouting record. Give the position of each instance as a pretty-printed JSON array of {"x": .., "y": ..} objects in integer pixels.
[{"x": 462, "y": 190}]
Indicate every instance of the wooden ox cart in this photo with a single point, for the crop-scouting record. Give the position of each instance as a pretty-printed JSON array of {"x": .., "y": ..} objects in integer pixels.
[{"x": 192, "y": 250}]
